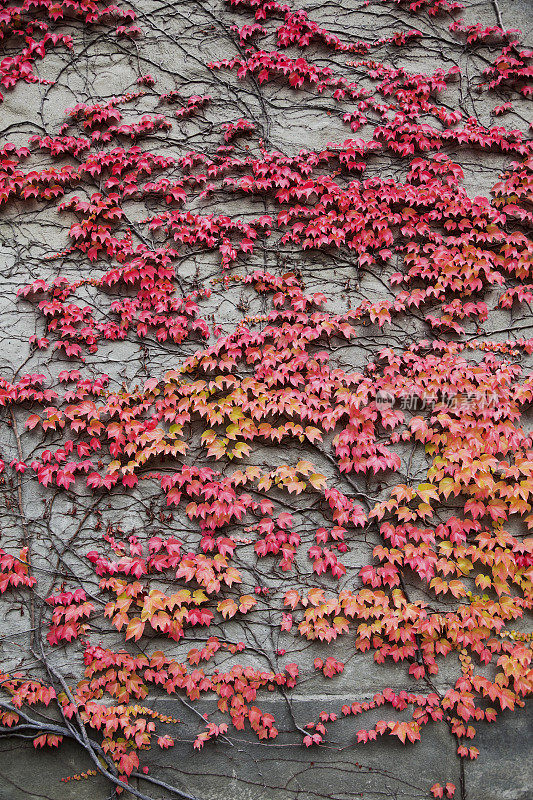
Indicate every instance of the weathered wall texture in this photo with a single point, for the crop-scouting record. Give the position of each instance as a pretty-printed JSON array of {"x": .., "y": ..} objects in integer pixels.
[{"x": 178, "y": 39}]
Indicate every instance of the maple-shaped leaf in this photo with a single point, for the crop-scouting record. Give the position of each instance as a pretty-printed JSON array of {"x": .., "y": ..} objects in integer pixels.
[
  {"x": 315, "y": 596},
  {"x": 228, "y": 608},
  {"x": 129, "y": 762},
  {"x": 427, "y": 492},
  {"x": 231, "y": 576},
  {"x": 135, "y": 629},
  {"x": 165, "y": 741},
  {"x": 291, "y": 598},
  {"x": 317, "y": 480},
  {"x": 246, "y": 602}
]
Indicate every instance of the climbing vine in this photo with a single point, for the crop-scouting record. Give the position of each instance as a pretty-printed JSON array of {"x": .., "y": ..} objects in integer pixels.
[{"x": 271, "y": 436}]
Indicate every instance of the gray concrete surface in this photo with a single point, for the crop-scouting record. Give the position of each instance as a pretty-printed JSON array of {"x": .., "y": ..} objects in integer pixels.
[{"x": 248, "y": 770}]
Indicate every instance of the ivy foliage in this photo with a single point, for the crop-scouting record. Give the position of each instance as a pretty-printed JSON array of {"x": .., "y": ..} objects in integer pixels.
[{"x": 315, "y": 484}]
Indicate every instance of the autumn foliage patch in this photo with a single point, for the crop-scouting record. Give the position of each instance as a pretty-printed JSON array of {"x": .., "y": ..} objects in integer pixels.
[{"x": 446, "y": 578}]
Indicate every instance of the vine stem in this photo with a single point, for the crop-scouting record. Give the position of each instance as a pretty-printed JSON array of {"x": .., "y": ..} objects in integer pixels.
[
  {"x": 498, "y": 12},
  {"x": 96, "y": 753},
  {"x": 462, "y": 777},
  {"x": 26, "y": 542}
]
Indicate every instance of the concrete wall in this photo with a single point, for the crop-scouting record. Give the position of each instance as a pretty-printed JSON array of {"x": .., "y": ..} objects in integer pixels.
[{"x": 175, "y": 53}]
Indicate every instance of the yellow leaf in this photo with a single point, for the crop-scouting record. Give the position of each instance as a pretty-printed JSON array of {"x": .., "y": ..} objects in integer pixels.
[
  {"x": 427, "y": 492},
  {"x": 317, "y": 480},
  {"x": 228, "y": 608},
  {"x": 241, "y": 449},
  {"x": 304, "y": 467},
  {"x": 232, "y": 431},
  {"x": 446, "y": 487},
  {"x": 246, "y": 602}
]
